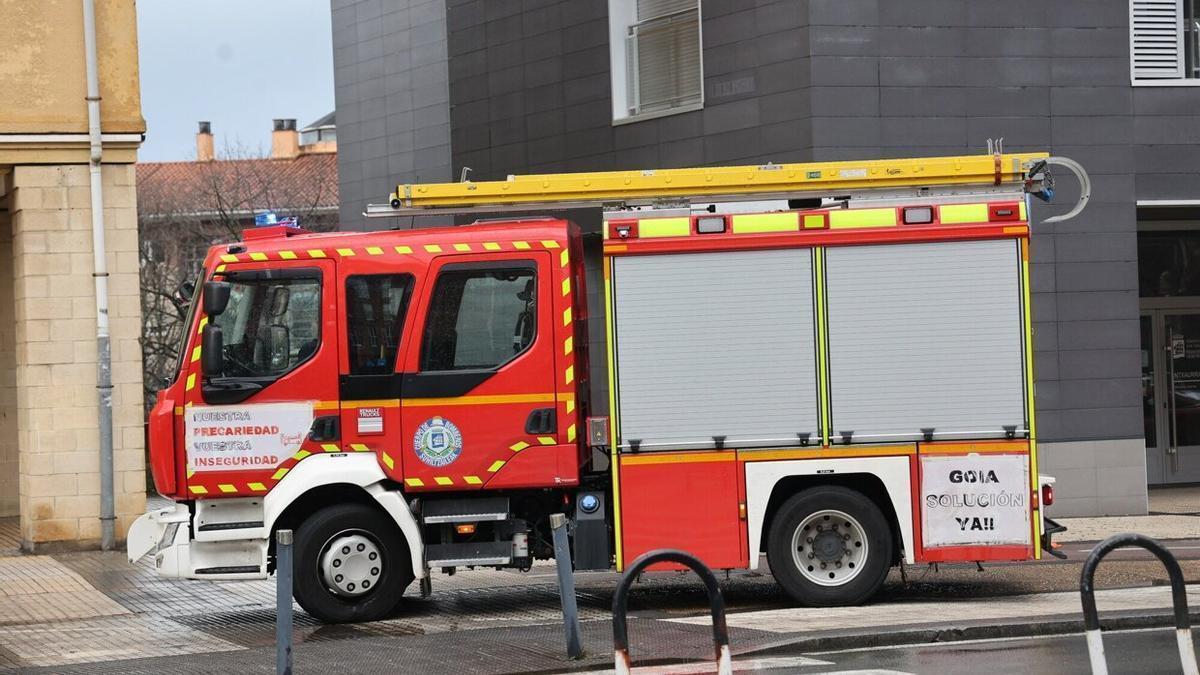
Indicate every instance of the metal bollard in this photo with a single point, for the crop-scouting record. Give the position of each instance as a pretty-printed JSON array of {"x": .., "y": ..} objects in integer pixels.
[
  {"x": 566, "y": 585},
  {"x": 1091, "y": 619},
  {"x": 283, "y": 602},
  {"x": 715, "y": 600}
]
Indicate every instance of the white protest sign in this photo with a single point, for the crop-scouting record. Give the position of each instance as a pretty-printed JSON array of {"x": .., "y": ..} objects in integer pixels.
[
  {"x": 974, "y": 500},
  {"x": 244, "y": 437}
]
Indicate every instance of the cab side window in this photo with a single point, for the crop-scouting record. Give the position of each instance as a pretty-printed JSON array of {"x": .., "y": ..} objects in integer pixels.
[
  {"x": 272, "y": 323},
  {"x": 480, "y": 318},
  {"x": 375, "y": 309}
]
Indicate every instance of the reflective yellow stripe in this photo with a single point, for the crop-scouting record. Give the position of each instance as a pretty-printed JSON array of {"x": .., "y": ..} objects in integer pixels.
[
  {"x": 370, "y": 403},
  {"x": 495, "y": 466},
  {"x": 259, "y": 257},
  {"x": 203, "y": 322},
  {"x": 198, "y": 489},
  {"x": 571, "y": 434},
  {"x": 196, "y": 353},
  {"x": 473, "y": 480},
  {"x": 566, "y": 286},
  {"x": 686, "y": 458},
  {"x": 326, "y": 405},
  {"x": 220, "y": 268},
  {"x": 766, "y": 222},
  {"x": 316, "y": 253},
  {"x": 403, "y": 250},
  {"x": 521, "y": 245},
  {"x": 374, "y": 250},
  {"x": 257, "y": 487},
  {"x": 852, "y": 218},
  {"x": 443, "y": 480},
  {"x": 462, "y": 247},
  {"x": 814, "y": 222},
  {"x": 330, "y": 447},
  {"x": 546, "y": 440},
  {"x": 569, "y": 376},
  {"x": 951, "y": 214},
  {"x": 549, "y": 243},
  {"x": 226, "y": 488},
  {"x": 388, "y": 461},
  {"x": 345, "y": 252},
  {"x": 568, "y": 345},
  {"x": 650, "y": 228},
  {"x": 479, "y": 400},
  {"x": 414, "y": 482},
  {"x": 229, "y": 257},
  {"x": 564, "y": 258},
  {"x": 191, "y": 382},
  {"x": 518, "y": 446},
  {"x": 357, "y": 447},
  {"x": 825, "y": 453},
  {"x": 822, "y": 341},
  {"x": 611, "y": 352},
  {"x": 567, "y": 316},
  {"x": 286, "y": 255},
  {"x": 1021, "y": 215},
  {"x": 190, "y": 473},
  {"x": 280, "y": 474},
  {"x": 571, "y": 405},
  {"x": 301, "y": 454},
  {"x": 491, "y": 246},
  {"x": 433, "y": 248}
]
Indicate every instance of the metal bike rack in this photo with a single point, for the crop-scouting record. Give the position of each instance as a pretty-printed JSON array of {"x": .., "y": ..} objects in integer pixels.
[
  {"x": 1091, "y": 619},
  {"x": 715, "y": 600}
]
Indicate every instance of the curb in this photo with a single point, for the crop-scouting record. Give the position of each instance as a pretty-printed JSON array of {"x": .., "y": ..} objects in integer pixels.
[{"x": 1060, "y": 624}]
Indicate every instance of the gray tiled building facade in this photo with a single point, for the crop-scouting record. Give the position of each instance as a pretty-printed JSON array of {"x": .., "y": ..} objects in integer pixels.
[{"x": 526, "y": 86}]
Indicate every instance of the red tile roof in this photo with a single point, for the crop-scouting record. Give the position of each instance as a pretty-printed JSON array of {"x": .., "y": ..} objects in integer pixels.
[{"x": 307, "y": 183}]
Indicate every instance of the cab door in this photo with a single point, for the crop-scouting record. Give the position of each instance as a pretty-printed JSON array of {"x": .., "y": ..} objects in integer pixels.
[
  {"x": 245, "y": 426},
  {"x": 478, "y": 391}
]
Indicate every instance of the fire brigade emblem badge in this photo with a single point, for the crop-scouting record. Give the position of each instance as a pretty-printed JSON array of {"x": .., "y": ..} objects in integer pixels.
[{"x": 437, "y": 442}]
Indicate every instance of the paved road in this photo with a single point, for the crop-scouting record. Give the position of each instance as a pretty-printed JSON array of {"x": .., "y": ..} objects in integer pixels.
[{"x": 1143, "y": 652}]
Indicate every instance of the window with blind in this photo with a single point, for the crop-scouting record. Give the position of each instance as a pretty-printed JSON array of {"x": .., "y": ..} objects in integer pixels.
[
  {"x": 1164, "y": 41},
  {"x": 656, "y": 57}
]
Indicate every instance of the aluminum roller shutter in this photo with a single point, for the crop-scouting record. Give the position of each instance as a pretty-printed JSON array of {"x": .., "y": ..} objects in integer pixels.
[
  {"x": 925, "y": 336},
  {"x": 715, "y": 344}
]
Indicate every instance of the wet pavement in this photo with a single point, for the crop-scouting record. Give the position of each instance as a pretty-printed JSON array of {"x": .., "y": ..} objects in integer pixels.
[{"x": 94, "y": 612}]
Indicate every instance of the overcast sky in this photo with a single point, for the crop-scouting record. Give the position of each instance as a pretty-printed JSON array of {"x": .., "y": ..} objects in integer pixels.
[{"x": 236, "y": 63}]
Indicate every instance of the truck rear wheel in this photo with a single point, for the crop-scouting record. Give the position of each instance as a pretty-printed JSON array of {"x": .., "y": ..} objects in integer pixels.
[
  {"x": 830, "y": 546},
  {"x": 352, "y": 564}
]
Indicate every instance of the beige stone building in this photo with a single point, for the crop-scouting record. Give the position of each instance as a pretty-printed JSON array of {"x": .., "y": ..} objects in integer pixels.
[{"x": 50, "y": 419}]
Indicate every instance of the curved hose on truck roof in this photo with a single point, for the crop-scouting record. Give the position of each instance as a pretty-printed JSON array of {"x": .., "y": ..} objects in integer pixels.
[{"x": 1085, "y": 187}]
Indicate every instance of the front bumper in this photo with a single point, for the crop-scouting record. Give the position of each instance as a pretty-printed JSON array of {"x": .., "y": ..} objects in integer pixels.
[{"x": 165, "y": 533}]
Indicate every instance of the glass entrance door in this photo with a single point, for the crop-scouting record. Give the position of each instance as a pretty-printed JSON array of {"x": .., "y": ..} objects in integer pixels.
[{"x": 1171, "y": 394}]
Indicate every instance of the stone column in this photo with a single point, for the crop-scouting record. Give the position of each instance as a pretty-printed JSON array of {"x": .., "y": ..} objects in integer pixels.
[
  {"x": 8, "y": 374},
  {"x": 55, "y": 353}
]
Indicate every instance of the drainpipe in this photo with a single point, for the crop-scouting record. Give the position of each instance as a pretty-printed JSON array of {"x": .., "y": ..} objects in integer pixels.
[{"x": 100, "y": 276}]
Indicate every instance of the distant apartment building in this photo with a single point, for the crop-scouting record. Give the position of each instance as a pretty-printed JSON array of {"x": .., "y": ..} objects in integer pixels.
[{"x": 424, "y": 89}]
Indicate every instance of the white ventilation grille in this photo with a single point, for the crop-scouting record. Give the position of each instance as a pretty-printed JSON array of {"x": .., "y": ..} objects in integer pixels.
[{"x": 1156, "y": 39}]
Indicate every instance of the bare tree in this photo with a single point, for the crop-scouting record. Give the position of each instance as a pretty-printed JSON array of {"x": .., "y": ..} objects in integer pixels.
[{"x": 186, "y": 207}]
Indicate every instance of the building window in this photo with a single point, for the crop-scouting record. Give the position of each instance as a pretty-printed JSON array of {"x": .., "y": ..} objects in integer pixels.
[
  {"x": 1165, "y": 42},
  {"x": 657, "y": 67}
]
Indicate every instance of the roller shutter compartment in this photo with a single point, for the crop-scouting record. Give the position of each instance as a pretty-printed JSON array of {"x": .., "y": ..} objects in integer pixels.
[
  {"x": 925, "y": 336},
  {"x": 715, "y": 344}
]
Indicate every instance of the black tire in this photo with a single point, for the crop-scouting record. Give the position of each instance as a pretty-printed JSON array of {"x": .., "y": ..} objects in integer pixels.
[
  {"x": 316, "y": 597},
  {"x": 872, "y": 570}
]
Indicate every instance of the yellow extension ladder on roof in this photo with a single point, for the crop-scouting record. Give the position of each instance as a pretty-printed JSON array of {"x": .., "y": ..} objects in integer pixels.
[{"x": 592, "y": 189}]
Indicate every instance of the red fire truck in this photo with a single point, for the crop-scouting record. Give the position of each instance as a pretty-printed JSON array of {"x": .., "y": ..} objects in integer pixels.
[{"x": 827, "y": 363}]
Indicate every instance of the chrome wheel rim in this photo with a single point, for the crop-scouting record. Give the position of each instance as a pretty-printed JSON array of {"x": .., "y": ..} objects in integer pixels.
[
  {"x": 351, "y": 564},
  {"x": 829, "y": 547}
]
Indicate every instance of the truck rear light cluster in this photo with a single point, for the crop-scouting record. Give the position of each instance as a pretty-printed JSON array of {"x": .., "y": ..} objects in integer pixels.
[{"x": 1047, "y": 495}]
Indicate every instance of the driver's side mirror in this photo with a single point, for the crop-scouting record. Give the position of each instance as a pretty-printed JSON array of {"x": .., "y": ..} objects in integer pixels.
[
  {"x": 216, "y": 297},
  {"x": 212, "y": 349}
]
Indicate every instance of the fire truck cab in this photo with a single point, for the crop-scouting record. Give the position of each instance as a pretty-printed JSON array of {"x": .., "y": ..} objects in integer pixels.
[{"x": 830, "y": 364}]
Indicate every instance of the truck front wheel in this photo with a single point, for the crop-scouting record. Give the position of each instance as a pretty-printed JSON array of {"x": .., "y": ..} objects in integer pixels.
[
  {"x": 829, "y": 546},
  {"x": 351, "y": 564}
]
